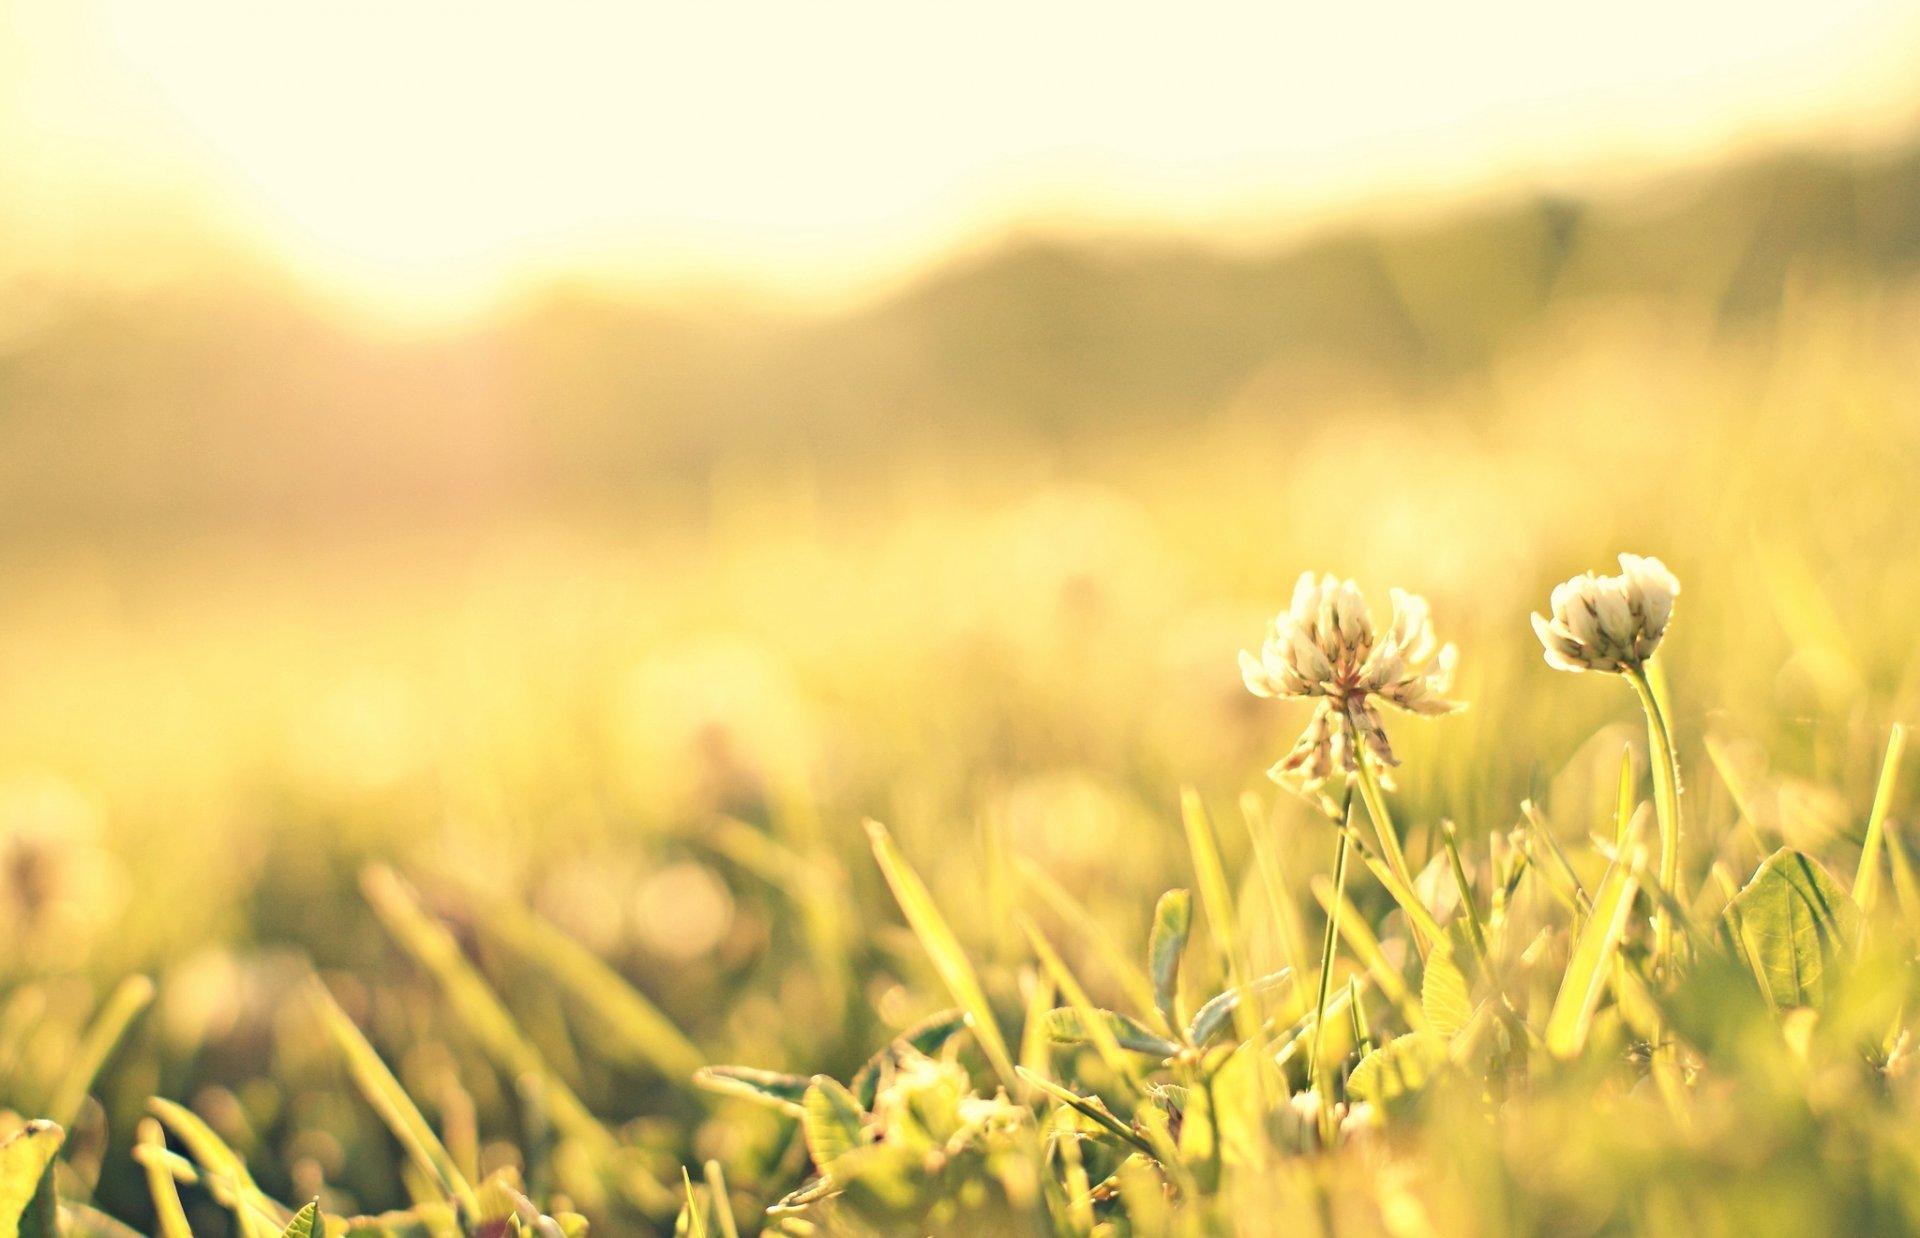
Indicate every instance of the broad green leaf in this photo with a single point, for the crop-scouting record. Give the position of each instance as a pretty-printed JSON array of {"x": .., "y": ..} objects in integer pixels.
[
  {"x": 1592, "y": 961},
  {"x": 1213, "y": 1016},
  {"x": 942, "y": 947},
  {"x": 1065, "y": 1026},
  {"x": 833, "y": 1122},
  {"x": 1172, "y": 922},
  {"x": 306, "y": 1223},
  {"x": 1397, "y": 1069},
  {"x": 769, "y": 1087},
  {"x": 1444, "y": 999},
  {"x": 1792, "y": 924},
  {"x": 391, "y": 1101},
  {"x": 926, "y": 1037},
  {"x": 27, "y": 1207}
]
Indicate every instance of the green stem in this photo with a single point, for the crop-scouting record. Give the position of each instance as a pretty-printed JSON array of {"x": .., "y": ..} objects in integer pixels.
[
  {"x": 1326, "y": 969},
  {"x": 1666, "y": 804},
  {"x": 1389, "y": 837}
]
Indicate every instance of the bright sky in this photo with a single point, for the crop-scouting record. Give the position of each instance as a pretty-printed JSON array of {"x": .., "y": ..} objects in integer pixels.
[{"x": 423, "y": 155}]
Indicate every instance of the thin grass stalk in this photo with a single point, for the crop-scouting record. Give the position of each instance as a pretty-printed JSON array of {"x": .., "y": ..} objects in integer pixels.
[{"x": 1327, "y": 950}]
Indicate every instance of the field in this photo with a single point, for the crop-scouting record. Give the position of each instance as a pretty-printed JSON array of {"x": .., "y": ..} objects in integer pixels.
[{"x": 555, "y": 805}]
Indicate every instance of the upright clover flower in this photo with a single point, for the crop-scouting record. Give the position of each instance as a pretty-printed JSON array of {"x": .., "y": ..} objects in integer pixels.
[
  {"x": 1613, "y": 624},
  {"x": 1609, "y": 623},
  {"x": 1325, "y": 646}
]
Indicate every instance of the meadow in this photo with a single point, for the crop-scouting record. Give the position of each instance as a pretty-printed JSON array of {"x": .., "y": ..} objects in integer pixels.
[{"x": 506, "y": 869}]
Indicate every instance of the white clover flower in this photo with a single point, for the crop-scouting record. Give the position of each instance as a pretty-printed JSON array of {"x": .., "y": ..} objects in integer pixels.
[
  {"x": 1609, "y": 623},
  {"x": 1324, "y": 645}
]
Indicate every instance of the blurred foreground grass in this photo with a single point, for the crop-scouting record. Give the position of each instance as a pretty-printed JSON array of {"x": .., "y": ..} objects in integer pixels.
[{"x": 660, "y": 735}]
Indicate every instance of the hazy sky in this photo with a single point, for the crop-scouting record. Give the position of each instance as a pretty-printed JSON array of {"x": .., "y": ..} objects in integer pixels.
[{"x": 424, "y": 153}]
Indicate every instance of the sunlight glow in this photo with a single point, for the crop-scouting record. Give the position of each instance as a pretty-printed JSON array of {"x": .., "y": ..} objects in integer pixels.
[{"x": 427, "y": 155}]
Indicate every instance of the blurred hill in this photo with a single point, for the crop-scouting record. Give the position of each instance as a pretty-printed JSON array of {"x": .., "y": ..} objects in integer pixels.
[{"x": 234, "y": 398}]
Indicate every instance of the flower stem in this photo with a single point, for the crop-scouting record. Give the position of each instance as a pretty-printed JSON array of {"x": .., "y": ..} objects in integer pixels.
[
  {"x": 1326, "y": 966},
  {"x": 1666, "y": 806},
  {"x": 1389, "y": 837}
]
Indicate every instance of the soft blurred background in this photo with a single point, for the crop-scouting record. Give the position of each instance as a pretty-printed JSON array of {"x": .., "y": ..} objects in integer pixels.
[{"x": 589, "y": 456}]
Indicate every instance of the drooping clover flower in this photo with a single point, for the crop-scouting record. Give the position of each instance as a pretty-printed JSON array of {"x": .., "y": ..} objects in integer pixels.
[
  {"x": 1609, "y": 623},
  {"x": 1325, "y": 645}
]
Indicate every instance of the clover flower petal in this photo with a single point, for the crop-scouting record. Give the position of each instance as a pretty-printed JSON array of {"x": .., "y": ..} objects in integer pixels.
[
  {"x": 1611, "y": 624},
  {"x": 1325, "y": 646}
]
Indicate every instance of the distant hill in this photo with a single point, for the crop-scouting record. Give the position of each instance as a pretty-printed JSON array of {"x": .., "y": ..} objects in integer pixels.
[{"x": 236, "y": 400}]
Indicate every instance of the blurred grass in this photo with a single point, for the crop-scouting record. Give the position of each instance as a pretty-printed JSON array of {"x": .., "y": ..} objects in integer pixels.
[{"x": 657, "y": 636}]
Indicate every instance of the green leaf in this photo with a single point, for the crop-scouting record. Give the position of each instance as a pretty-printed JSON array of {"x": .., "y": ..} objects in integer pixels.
[
  {"x": 833, "y": 1121},
  {"x": 926, "y": 1037},
  {"x": 942, "y": 947},
  {"x": 1397, "y": 1069},
  {"x": 769, "y": 1087},
  {"x": 1213, "y": 1016},
  {"x": 1790, "y": 925},
  {"x": 1172, "y": 922},
  {"x": 1065, "y": 1026},
  {"x": 305, "y": 1223},
  {"x": 1444, "y": 999},
  {"x": 27, "y": 1206}
]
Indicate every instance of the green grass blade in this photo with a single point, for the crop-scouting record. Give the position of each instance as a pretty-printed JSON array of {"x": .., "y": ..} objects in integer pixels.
[
  {"x": 1281, "y": 903},
  {"x": 1095, "y": 1029},
  {"x": 391, "y": 1102},
  {"x": 1587, "y": 970},
  {"x": 943, "y": 948},
  {"x": 1122, "y": 969},
  {"x": 128, "y": 999},
  {"x": 150, "y": 1149},
  {"x": 257, "y": 1215},
  {"x": 643, "y": 1029},
  {"x": 1866, "y": 883},
  {"x": 722, "y": 1205},
  {"x": 1216, "y": 896},
  {"x": 1360, "y": 939},
  {"x": 1089, "y": 1107}
]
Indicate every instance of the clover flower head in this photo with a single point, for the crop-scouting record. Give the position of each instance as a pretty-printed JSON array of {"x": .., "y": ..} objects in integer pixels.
[
  {"x": 1325, "y": 646},
  {"x": 1609, "y": 623}
]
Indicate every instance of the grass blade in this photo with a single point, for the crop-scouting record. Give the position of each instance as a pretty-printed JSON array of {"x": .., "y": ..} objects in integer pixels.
[
  {"x": 1866, "y": 883},
  {"x": 391, "y": 1102},
  {"x": 170, "y": 1218},
  {"x": 643, "y": 1029},
  {"x": 1587, "y": 970},
  {"x": 129, "y": 998},
  {"x": 943, "y": 948}
]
